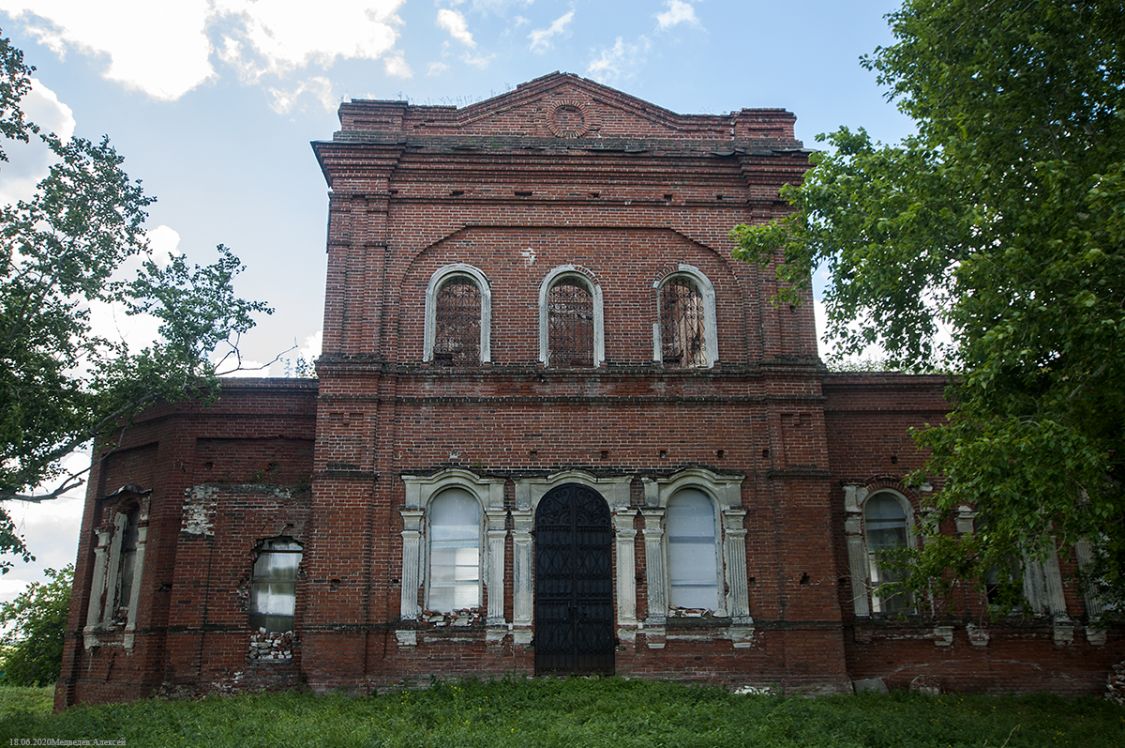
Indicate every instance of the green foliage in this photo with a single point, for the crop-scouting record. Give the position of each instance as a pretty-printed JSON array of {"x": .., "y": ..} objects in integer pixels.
[
  {"x": 579, "y": 712},
  {"x": 1003, "y": 219},
  {"x": 34, "y": 626},
  {"x": 62, "y": 251}
]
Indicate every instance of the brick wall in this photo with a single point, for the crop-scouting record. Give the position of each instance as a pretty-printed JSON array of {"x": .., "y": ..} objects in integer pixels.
[{"x": 561, "y": 171}]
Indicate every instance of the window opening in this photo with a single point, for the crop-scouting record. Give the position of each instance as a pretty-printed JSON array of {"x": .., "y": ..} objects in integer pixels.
[
  {"x": 128, "y": 561},
  {"x": 454, "y": 582},
  {"x": 693, "y": 570},
  {"x": 457, "y": 323},
  {"x": 273, "y": 589},
  {"x": 570, "y": 308},
  {"x": 885, "y": 524},
  {"x": 682, "y": 324}
]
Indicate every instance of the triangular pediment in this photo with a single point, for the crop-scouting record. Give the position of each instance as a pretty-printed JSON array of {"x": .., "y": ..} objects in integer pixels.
[{"x": 564, "y": 105}]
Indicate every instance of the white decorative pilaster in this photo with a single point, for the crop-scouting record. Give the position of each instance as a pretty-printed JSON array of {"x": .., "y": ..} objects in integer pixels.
[
  {"x": 1095, "y": 608},
  {"x": 494, "y": 574},
  {"x": 411, "y": 563},
  {"x": 97, "y": 588},
  {"x": 626, "y": 567},
  {"x": 734, "y": 556},
  {"x": 522, "y": 587},
  {"x": 654, "y": 567},
  {"x": 135, "y": 592},
  {"x": 857, "y": 553}
]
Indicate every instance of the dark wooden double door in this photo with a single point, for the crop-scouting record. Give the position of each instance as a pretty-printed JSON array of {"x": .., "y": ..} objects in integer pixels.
[{"x": 573, "y": 583}]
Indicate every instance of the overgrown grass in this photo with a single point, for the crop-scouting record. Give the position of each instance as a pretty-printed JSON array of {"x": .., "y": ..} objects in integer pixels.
[{"x": 575, "y": 712}]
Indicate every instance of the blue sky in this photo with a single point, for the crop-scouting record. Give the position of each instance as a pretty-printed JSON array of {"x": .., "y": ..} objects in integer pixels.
[{"x": 213, "y": 104}]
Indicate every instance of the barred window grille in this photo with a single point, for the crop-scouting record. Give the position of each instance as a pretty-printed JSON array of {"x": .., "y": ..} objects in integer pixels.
[
  {"x": 682, "y": 326},
  {"x": 457, "y": 323},
  {"x": 570, "y": 308}
]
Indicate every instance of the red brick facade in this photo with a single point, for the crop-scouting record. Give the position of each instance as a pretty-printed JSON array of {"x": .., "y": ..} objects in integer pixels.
[{"x": 559, "y": 179}]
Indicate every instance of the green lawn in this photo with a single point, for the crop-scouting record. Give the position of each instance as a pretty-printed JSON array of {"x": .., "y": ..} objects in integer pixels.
[{"x": 577, "y": 712}]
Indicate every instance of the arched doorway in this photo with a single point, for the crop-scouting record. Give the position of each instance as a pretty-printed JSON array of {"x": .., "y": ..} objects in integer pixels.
[{"x": 573, "y": 582}]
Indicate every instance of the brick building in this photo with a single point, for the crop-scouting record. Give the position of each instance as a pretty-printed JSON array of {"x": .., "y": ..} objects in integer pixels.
[{"x": 557, "y": 429}]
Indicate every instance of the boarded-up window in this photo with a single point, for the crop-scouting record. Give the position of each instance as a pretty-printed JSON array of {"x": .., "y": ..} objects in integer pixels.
[
  {"x": 885, "y": 524},
  {"x": 454, "y": 528},
  {"x": 457, "y": 323},
  {"x": 682, "y": 325},
  {"x": 693, "y": 569},
  {"x": 273, "y": 589},
  {"x": 570, "y": 309}
]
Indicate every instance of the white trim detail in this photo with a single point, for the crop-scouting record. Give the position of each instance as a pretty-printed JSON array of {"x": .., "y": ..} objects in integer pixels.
[
  {"x": 106, "y": 578},
  {"x": 726, "y": 492},
  {"x": 707, "y": 292},
  {"x": 564, "y": 272},
  {"x": 420, "y": 490},
  {"x": 529, "y": 491},
  {"x": 864, "y": 599},
  {"x": 437, "y": 280}
]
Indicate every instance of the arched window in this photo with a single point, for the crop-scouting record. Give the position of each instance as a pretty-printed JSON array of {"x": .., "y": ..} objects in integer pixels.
[
  {"x": 682, "y": 341},
  {"x": 454, "y": 530},
  {"x": 273, "y": 586},
  {"x": 127, "y": 563},
  {"x": 885, "y": 529},
  {"x": 693, "y": 560},
  {"x": 571, "y": 329},
  {"x": 457, "y": 322},
  {"x": 458, "y": 317},
  {"x": 570, "y": 309},
  {"x": 685, "y": 334}
]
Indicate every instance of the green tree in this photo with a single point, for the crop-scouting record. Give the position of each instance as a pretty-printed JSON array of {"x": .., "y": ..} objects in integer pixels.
[
  {"x": 1002, "y": 220},
  {"x": 61, "y": 251},
  {"x": 34, "y": 627}
]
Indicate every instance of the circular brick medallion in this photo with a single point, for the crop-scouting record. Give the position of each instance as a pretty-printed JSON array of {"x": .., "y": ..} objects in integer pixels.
[{"x": 569, "y": 120}]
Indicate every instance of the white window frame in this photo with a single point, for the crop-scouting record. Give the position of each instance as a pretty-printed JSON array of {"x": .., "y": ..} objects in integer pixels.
[
  {"x": 908, "y": 518},
  {"x": 586, "y": 278},
  {"x": 442, "y": 276},
  {"x": 855, "y": 502},
  {"x": 107, "y": 566},
  {"x": 1040, "y": 576},
  {"x": 420, "y": 491},
  {"x": 730, "y": 539},
  {"x": 707, "y": 293}
]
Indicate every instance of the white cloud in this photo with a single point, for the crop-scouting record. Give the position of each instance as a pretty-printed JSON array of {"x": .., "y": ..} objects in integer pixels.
[
  {"x": 541, "y": 38},
  {"x": 310, "y": 349},
  {"x": 278, "y": 36},
  {"x": 165, "y": 49},
  {"x": 319, "y": 88},
  {"x": 396, "y": 66},
  {"x": 675, "y": 13},
  {"x": 28, "y": 163},
  {"x": 164, "y": 243},
  {"x": 480, "y": 62},
  {"x": 158, "y": 48},
  {"x": 498, "y": 7},
  {"x": 619, "y": 61},
  {"x": 436, "y": 68},
  {"x": 453, "y": 23}
]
